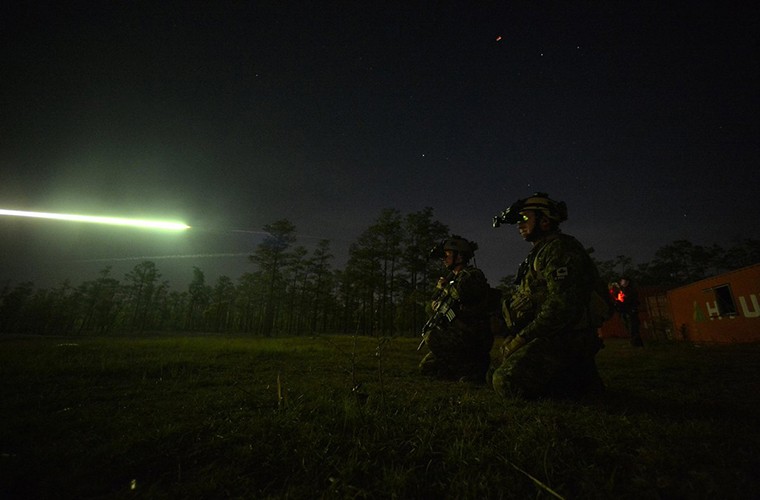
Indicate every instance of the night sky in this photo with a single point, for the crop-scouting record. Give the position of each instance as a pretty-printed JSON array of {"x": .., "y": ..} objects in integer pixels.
[{"x": 232, "y": 115}]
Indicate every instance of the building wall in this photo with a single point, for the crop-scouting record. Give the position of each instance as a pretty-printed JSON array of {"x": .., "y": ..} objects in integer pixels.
[{"x": 723, "y": 308}]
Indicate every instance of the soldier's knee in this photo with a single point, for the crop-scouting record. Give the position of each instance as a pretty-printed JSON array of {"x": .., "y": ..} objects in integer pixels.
[
  {"x": 513, "y": 383},
  {"x": 504, "y": 384}
]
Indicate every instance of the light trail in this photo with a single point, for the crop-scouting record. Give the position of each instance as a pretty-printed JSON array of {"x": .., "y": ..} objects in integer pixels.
[
  {"x": 247, "y": 231},
  {"x": 167, "y": 257},
  {"x": 113, "y": 221}
]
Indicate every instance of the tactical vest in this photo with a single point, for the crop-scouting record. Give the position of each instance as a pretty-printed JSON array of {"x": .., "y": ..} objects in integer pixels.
[{"x": 533, "y": 288}]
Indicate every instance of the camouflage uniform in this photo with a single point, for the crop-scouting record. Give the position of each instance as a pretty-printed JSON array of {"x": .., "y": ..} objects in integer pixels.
[
  {"x": 462, "y": 347},
  {"x": 550, "y": 314}
]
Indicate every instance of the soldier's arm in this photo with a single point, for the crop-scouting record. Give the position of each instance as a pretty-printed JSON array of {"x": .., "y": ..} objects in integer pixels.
[{"x": 566, "y": 295}]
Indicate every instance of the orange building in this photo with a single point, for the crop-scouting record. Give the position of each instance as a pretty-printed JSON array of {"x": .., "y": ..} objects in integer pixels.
[{"x": 722, "y": 308}]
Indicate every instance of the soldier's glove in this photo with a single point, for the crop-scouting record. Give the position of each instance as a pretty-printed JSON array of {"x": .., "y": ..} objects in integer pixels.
[{"x": 511, "y": 345}]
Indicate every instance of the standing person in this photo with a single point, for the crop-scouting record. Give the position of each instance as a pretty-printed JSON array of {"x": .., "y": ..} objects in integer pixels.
[
  {"x": 553, "y": 341},
  {"x": 458, "y": 332},
  {"x": 627, "y": 305}
]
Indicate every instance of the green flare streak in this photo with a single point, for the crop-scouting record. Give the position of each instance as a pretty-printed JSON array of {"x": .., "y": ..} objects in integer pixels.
[{"x": 114, "y": 221}]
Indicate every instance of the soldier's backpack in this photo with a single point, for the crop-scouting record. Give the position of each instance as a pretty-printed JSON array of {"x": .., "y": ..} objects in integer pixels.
[
  {"x": 602, "y": 306},
  {"x": 495, "y": 318}
]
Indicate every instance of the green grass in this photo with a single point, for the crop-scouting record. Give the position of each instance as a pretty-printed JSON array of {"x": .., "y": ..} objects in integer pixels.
[{"x": 345, "y": 417}]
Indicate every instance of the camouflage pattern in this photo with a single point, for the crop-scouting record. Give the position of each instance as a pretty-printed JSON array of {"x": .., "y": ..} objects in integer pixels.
[
  {"x": 462, "y": 347},
  {"x": 550, "y": 311}
]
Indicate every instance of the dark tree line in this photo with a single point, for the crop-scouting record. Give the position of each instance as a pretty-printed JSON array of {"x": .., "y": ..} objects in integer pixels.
[
  {"x": 682, "y": 262},
  {"x": 293, "y": 291},
  {"x": 290, "y": 291},
  {"x": 678, "y": 263}
]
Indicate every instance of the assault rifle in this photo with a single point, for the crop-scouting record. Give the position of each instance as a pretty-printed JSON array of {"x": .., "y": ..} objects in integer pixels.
[{"x": 444, "y": 312}]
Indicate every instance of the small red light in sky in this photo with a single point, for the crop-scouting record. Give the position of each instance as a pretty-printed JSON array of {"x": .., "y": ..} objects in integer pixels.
[{"x": 498, "y": 38}]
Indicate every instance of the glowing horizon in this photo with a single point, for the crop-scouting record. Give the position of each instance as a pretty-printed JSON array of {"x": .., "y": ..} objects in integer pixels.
[{"x": 93, "y": 219}]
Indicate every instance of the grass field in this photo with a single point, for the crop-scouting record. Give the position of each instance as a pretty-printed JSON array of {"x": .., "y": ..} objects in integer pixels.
[{"x": 345, "y": 417}]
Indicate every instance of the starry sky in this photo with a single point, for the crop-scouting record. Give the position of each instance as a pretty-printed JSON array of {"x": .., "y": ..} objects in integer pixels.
[{"x": 231, "y": 115}]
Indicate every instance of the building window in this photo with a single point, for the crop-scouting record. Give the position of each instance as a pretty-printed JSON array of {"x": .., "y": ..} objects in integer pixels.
[{"x": 724, "y": 299}]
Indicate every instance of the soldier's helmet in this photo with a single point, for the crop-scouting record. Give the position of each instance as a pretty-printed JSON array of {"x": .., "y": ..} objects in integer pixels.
[
  {"x": 454, "y": 243},
  {"x": 553, "y": 210}
]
